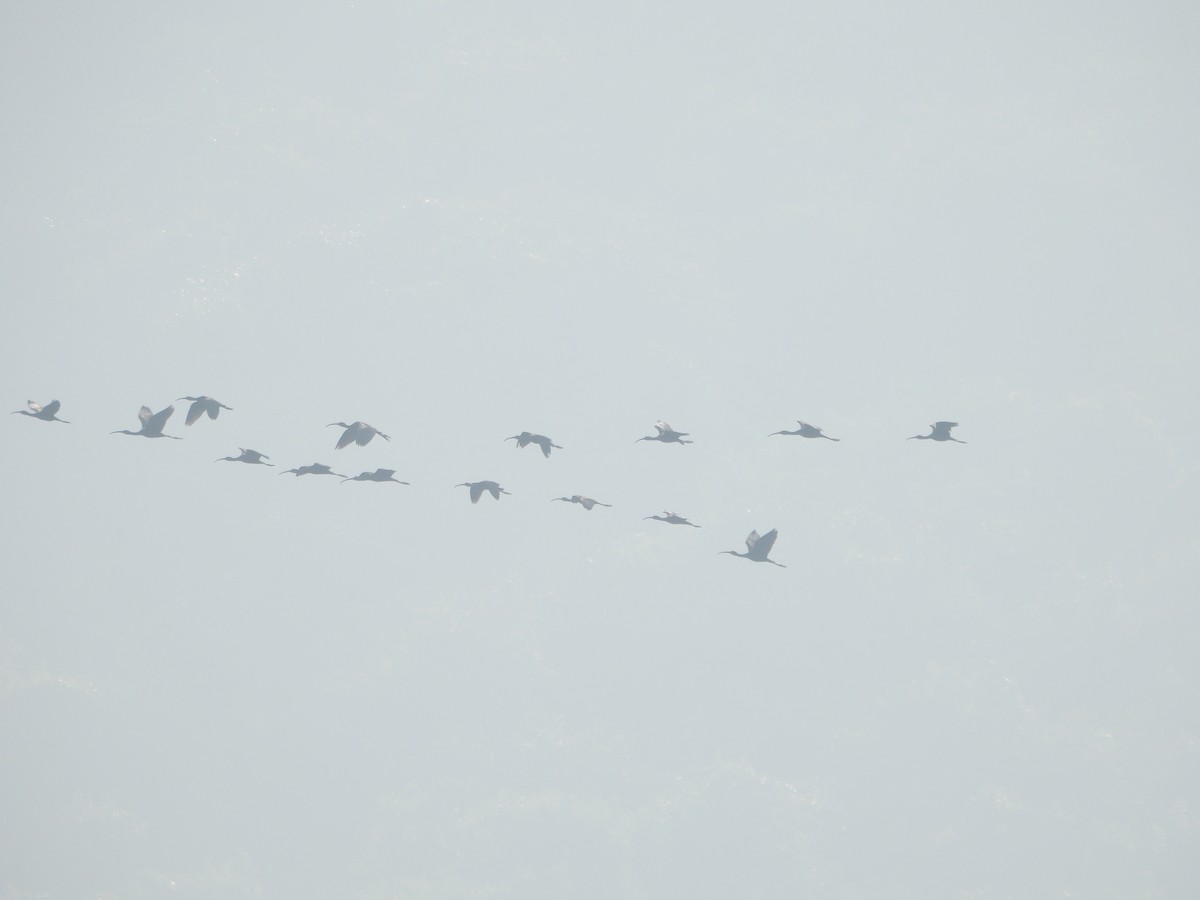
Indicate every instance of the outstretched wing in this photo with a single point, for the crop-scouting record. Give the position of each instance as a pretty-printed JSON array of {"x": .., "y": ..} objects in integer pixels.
[
  {"x": 765, "y": 542},
  {"x": 346, "y": 438},
  {"x": 158, "y": 420},
  {"x": 752, "y": 539},
  {"x": 196, "y": 410},
  {"x": 145, "y": 413},
  {"x": 51, "y": 408},
  {"x": 477, "y": 492}
]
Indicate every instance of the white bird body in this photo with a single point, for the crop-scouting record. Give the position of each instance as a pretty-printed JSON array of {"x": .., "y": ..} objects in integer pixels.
[
  {"x": 586, "y": 502},
  {"x": 203, "y": 406},
  {"x": 377, "y": 475},
  {"x": 666, "y": 435},
  {"x": 358, "y": 433},
  {"x": 478, "y": 487},
  {"x": 940, "y": 431},
  {"x": 758, "y": 546},
  {"x": 252, "y": 457},
  {"x": 47, "y": 413},
  {"x": 526, "y": 438},
  {"x": 671, "y": 519},
  {"x": 152, "y": 423},
  {"x": 807, "y": 431}
]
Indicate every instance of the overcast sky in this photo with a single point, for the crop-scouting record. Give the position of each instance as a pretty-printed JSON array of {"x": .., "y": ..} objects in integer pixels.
[{"x": 976, "y": 676}]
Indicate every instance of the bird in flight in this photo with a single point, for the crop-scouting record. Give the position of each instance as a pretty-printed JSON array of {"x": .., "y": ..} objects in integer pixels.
[
  {"x": 667, "y": 435},
  {"x": 377, "y": 475},
  {"x": 253, "y": 457},
  {"x": 671, "y": 519},
  {"x": 940, "y": 432},
  {"x": 586, "y": 502},
  {"x": 807, "y": 431},
  {"x": 478, "y": 487},
  {"x": 525, "y": 438},
  {"x": 757, "y": 547},
  {"x": 47, "y": 413},
  {"x": 314, "y": 469},
  {"x": 152, "y": 424},
  {"x": 357, "y": 432},
  {"x": 202, "y": 405}
]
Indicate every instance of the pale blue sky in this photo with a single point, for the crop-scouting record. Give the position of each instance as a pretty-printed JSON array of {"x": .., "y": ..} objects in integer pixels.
[{"x": 458, "y": 223}]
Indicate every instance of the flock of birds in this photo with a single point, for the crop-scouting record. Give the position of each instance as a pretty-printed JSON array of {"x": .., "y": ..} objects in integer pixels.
[{"x": 758, "y": 546}]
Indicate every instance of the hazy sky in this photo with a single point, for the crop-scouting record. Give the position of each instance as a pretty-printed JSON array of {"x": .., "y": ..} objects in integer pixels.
[{"x": 977, "y": 677}]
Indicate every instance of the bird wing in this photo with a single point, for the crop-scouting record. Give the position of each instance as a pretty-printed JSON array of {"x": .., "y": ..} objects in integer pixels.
[
  {"x": 51, "y": 408},
  {"x": 212, "y": 407},
  {"x": 346, "y": 438},
  {"x": 477, "y": 491},
  {"x": 158, "y": 420},
  {"x": 662, "y": 427},
  {"x": 385, "y": 473},
  {"x": 752, "y": 539},
  {"x": 586, "y": 502},
  {"x": 764, "y": 544},
  {"x": 195, "y": 411},
  {"x": 362, "y": 433},
  {"x": 145, "y": 413},
  {"x": 544, "y": 443},
  {"x": 493, "y": 489}
]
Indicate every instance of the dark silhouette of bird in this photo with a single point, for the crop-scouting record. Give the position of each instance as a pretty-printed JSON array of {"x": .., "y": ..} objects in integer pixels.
[
  {"x": 525, "y": 438},
  {"x": 940, "y": 432},
  {"x": 478, "y": 487},
  {"x": 807, "y": 431},
  {"x": 253, "y": 457},
  {"x": 757, "y": 547},
  {"x": 46, "y": 413},
  {"x": 671, "y": 519},
  {"x": 314, "y": 469},
  {"x": 667, "y": 435},
  {"x": 586, "y": 502},
  {"x": 152, "y": 424},
  {"x": 357, "y": 432},
  {"x": 377, "y": 475},
  {"x": 202, "y": 405}
]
